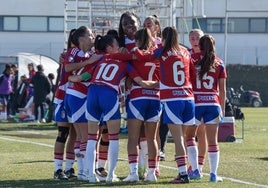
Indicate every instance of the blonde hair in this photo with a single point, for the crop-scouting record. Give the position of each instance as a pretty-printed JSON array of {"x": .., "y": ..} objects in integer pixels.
[{"x": 199, "y": 31}]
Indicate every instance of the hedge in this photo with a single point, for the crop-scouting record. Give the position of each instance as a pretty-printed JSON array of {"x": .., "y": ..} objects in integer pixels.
[{"x": 252, "y": 77}]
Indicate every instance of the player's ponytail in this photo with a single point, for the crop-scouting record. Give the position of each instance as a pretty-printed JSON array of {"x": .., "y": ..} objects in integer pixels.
[{"x": 207, "y": 46}]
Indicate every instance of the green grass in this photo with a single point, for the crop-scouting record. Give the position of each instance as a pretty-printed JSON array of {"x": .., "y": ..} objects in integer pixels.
[{"x": 26, "y": 164}]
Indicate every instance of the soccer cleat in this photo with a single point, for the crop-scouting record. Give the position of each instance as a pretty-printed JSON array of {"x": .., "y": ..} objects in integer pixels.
[
  {"x": 70, "y": 173},
  {"x": 60, "y": 175},
  {"x": 132, "y": 177},
  {"x": 151, "y": 177},
  {"x": 181, "y": 179},
  {"x": 82, "y": 177},
  {"x": 112, "y": 179},
  {"x": 162, "y": 156},
  {"x": 43, "y": 120},
  {"x": 194, "y": 175},
  {"x": 215, "y": 178},
  {"x": 93, "y": 179},
  {"x": 101, "y": 172}
]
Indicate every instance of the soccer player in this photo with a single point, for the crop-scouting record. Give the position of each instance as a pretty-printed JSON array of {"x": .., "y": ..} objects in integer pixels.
[
  {"x": 196, "y": 153},
  {"x": 210, "y": 95},
  {"x": 153, "y": 24},
  {"x": 128, "y": 26},
  {"x": 76, "y": 93},
  {"x": 65, "y": 128},
  {"x": 144, "y": 110}
]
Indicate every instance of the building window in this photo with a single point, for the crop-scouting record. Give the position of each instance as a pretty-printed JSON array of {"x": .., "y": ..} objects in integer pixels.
[
  {"x": 257, "y": 25},
  {"x": 1, "y": 23},
  {"x": 238, "y": 25},
  {"x": 214, "y": 25},
  {"x": 10, "y": 23},
  {"x": 33, "y": 23},
  {"x": 200, "y": 23},
  {"x": 55, "y": 24}
]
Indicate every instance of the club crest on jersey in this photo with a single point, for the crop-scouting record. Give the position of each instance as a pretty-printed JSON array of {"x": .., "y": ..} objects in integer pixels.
[{"x": 71, "y": 59}]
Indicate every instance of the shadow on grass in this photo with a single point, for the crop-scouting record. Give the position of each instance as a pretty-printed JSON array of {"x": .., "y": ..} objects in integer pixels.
[
  {"x": 50, "y": 183},
  {"x": 264, "y": 158},
  {"x": 31, "y": 135},
  {"x": 28, "y": 126},
  {"x": 40, "y": 161}
]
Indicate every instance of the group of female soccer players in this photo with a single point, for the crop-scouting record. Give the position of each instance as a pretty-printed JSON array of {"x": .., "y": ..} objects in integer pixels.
[{"x": 162, "y": 78}]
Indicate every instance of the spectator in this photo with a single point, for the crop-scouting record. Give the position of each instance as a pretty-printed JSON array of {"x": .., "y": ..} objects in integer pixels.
[
  {"x": 5, "y": 89},
  {"x": 14, "y": 88},
  {"x": 20, "y": 99},
  {"x": 41, "y": 88},
  {"x": 50, "y": 97}
]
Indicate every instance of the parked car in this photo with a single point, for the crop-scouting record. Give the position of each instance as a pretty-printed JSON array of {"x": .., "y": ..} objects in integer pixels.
[{"x": 243, "y": 97}]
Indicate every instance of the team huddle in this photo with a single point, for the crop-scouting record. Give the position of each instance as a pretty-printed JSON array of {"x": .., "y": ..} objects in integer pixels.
[{"x": 162, "y": 80}]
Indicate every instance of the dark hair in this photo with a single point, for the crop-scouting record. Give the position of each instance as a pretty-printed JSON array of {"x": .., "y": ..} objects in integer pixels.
[
  {"x": 171, "y": 39},
  {"x": 80, "y": 32},
  {"x": 14, "y": 66},
  {"x": 40, "y": 68},
  {"x": 156, "y": 21},
  {"x": 121, "y": 33},
  {"x": 207, "y": 46},
  {"x": 114, "y": 33},
  {"x": 101, "y": 42},
  {"x": 51, "y": 76},
  {"x": 145, "y": 38},
  {"x": 7, "y": 68},
  {"x": 70, "y": 39}
]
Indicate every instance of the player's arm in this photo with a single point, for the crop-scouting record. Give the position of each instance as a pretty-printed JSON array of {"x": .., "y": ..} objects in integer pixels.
[
  {"x": 75, "y": 66},
  {"x": 122, "y": 56},
  {"x": 147, "y": 56},
  {"x": 222, "y": 94},
  {"x": 79, "y": 78},
  {"x": 146, "y": 83},
  {"x": 133, "y": 73}
]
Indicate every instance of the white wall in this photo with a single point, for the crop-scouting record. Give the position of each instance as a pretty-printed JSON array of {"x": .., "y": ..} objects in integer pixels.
[
  {"x": 32, "y": 7},
  {"x": 50, "y": 44}
]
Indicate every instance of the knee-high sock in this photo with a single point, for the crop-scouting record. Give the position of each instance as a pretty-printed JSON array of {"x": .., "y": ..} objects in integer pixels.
[
  {"x": 113, "y": 152},
  {"x": 213, "y": 157},
  {"x": 192, "y": 153},
  {"x": 91, "y": 153}
]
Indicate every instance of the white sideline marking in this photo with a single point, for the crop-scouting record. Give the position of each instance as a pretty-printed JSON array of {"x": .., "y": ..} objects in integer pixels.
[
  {"x": 26, "y": 141},
  {"x": 168, "y": 167}
]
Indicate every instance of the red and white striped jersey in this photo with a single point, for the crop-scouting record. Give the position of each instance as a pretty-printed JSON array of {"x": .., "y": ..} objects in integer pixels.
[
  {"x": 79, "y": 89},
  {"x": 111, "y": 72},
  {"x": 206, "y": 90}
]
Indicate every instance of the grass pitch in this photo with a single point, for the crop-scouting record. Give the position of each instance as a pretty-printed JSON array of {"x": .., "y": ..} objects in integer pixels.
[{"x": 27, "y": 157}]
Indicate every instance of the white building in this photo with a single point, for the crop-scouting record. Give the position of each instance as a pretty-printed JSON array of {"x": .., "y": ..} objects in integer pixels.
[{"x": 38, "y": 26}]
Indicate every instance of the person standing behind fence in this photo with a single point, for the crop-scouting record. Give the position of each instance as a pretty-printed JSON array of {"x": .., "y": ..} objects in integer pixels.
[
  {"x": 41, "y": 86},
  {"x": 32, "y": 72},
  {"x": 5, "y": 89},
  {"x": 12, "y": 103},
  {"x": 210, "y": 96}
]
